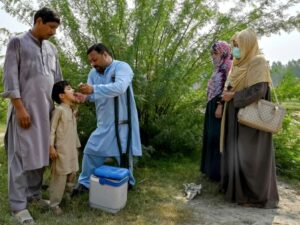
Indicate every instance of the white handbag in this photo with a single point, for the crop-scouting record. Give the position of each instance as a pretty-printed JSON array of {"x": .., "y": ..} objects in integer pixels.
[{"x": 262, "y": 115}]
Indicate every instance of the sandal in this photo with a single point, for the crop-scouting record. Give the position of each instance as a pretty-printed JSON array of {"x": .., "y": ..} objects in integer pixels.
[
  {"x": 56, "y": 210},
  {"x": 23, "y": 217},
  {"x": 40, "y": 203}
]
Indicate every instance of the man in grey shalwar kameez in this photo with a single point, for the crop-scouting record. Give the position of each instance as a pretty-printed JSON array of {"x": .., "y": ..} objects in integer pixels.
[{"x": 30, "y": 70}]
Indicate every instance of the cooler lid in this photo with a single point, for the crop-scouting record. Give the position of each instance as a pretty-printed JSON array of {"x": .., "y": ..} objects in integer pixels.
[{"x": 111, "y": 172}]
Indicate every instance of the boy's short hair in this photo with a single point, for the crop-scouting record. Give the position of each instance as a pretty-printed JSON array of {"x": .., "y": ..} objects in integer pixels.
[
  {"x": 59, "y": 88},
  {"x": 47, "y": 15}
]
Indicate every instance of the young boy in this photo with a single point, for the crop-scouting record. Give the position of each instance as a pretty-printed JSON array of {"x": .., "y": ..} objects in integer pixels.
[{"x": 64, "y": 142}]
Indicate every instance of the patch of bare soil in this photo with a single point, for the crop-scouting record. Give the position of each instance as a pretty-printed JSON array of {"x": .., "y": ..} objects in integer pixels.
[{"x": 213, "y": 210}]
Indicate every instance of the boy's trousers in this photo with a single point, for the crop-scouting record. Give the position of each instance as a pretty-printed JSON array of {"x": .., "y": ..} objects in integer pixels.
[{"x": 58, "y": 185}]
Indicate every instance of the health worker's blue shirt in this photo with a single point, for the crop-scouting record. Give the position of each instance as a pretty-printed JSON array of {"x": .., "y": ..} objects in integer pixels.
[{"x": 102, "y": 141}]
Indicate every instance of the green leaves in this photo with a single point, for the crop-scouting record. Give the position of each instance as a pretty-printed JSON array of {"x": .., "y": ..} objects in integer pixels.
[
  {"x": 3, "y": 102},
  {"x": 287, "y": 142},
  {"x": 167, "y": 43}
]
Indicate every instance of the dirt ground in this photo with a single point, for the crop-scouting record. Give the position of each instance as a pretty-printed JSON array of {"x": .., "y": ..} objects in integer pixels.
[{"x": 213, "y": 210}]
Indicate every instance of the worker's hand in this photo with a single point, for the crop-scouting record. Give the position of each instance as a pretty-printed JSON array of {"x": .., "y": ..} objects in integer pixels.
[
  {"x": 86, "y": 89},
  {"x": 53, "y": 153},
  {"x": 80, "y": 98}
]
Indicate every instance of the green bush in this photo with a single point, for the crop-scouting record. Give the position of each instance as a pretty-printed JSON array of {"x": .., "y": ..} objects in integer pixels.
[
  {"x": 167, "y": 44},
  {"x": 3, "y": 102},
  {"x": 287, "y": 142},
  {"x": 180, "y": 131},
  {"x": 287, "y": 147},
  {"x": 86, "y": 122}
]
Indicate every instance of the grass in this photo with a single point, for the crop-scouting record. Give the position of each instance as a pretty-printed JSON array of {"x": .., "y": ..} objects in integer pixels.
[
  {"x": 294, "y": 183},
  {"x": 292, "y": 105},
  {"x": 157, "y": 198},
  {"x": 2, "y": 127}
]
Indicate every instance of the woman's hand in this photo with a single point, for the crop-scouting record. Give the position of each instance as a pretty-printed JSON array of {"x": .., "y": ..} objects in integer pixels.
[
  {"x": 219, "y": 111},
  {"x": 228, "y": 95}
]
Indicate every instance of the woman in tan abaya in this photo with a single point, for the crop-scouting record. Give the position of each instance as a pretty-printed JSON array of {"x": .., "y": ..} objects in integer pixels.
[{"x": 248, "y": 163}]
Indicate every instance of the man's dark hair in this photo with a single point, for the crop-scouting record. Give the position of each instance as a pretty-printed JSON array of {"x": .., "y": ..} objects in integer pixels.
[
  {"x": 100, "y": 48},
  {"x": 59, "y": 88},
  {"x": 47, "y": 15}
]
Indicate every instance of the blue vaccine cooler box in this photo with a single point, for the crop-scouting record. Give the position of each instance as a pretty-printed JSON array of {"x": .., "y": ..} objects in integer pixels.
[{"x": 108, "y": 188}]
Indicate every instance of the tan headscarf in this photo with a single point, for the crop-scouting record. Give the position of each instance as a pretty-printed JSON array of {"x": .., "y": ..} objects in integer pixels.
[{"x": 250, "y": 69}]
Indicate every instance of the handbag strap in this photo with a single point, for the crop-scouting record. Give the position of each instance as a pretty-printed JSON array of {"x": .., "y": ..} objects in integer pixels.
[{"x": 273, "y": 88}]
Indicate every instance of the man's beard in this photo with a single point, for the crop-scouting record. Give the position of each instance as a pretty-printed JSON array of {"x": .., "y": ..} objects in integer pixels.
[{"x": 99, "y": 69}]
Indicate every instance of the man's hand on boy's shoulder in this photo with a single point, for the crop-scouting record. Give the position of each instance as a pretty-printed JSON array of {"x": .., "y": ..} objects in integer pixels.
[{"x": 53, "y": 153}]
